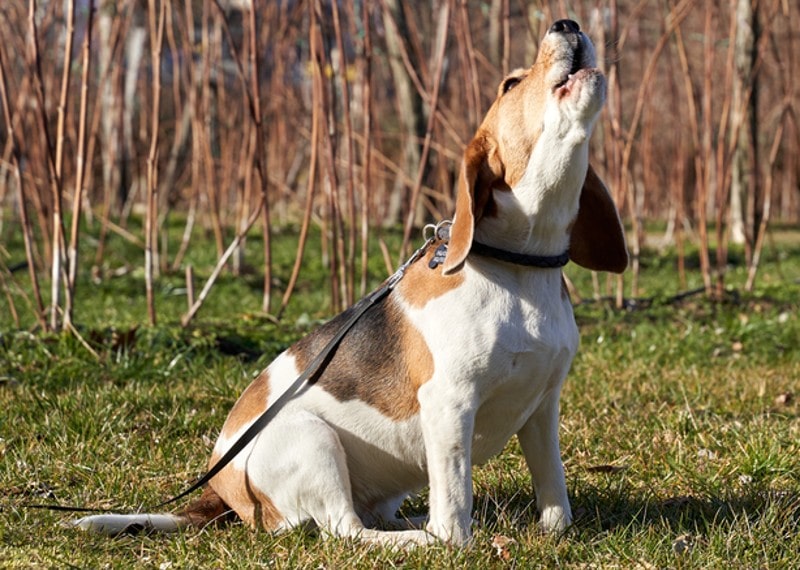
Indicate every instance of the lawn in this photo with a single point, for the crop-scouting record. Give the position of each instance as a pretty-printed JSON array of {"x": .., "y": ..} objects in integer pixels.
[{"x": 680, "y": 428}]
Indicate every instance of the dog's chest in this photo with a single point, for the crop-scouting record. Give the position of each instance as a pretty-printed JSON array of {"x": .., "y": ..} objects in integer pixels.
[
  {"x": 499, "y": 322},
  {"x": 505, "y": 341}
]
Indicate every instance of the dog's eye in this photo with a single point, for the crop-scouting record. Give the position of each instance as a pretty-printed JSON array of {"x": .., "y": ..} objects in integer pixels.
[{"x": 509, "y": 84}]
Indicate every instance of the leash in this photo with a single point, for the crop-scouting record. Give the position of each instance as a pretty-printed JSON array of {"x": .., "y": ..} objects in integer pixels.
[
  {"x": 311, "y": 373},
  {"x": 441, "y": 233},
  {"x": 307, "y": 378}
]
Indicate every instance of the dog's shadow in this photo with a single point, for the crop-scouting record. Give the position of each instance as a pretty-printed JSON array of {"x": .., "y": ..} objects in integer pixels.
[{"x": 598, "y": 511}]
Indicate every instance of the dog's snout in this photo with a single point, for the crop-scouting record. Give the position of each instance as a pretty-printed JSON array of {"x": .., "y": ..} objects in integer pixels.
[{"x": 564, "y": 27}]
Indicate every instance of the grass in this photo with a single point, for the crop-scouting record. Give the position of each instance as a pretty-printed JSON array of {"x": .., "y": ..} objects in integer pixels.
[{"x": 680, "y": 428}]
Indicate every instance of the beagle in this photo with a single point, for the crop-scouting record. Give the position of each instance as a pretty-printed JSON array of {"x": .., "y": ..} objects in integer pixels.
[{"x": 437, "y": 376}]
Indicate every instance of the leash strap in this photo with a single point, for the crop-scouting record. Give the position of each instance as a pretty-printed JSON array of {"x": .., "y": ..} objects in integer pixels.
[{"x": 307, "y": 378}]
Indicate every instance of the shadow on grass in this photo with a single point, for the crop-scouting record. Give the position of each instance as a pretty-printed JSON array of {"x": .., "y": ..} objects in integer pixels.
[{"x": 598, "y": 511}]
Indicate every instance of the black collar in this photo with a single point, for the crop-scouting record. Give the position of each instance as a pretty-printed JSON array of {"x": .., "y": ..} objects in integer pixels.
[
  {"x": 524, "y": 259},
  {"x": 543, "y": 261},
  {"x": 442, "y": 233}
]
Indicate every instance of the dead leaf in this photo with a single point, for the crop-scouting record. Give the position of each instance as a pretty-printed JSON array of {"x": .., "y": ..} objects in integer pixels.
[
  {"x": 706, "y": 454},
  {"x": 501, "y": 543},
  {"x": 683, "y": 544}
]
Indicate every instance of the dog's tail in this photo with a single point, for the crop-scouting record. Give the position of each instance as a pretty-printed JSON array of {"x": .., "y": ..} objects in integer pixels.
[{"x": 209, "y": 508}]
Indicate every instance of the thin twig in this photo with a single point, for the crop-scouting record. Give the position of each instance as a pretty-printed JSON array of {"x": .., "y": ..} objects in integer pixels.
[
  {"x": 71, "y": 328},
  {"x": 261, "y": 161},
  {"x": 157, "y": 34},
  {"x": 207, "y": 132},
  {"x": 366, "y": 156},
  {"x": 187, "y": 318},
  {"x": 58, "y": 229},
  {"x": 316, "y": 86},
  {"x": 762, "y": 229},
  {"x": 706, "y": 150},
  {"x": 72, "y": 252},
  {"x": 52, "y": 171},
  {"x": 335, "y": 229}
]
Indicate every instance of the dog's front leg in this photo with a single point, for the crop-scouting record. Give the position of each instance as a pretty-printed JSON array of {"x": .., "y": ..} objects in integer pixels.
[
  {"x": 539, "y": 441},
  {"x": 448, "y": 421}
]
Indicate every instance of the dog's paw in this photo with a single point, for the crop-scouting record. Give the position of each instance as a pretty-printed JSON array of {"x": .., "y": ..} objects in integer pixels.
[
  {"x": 397, "y": 539},
  {"x": 555, "y": 519},
  {"x": 453, "y": 533}
]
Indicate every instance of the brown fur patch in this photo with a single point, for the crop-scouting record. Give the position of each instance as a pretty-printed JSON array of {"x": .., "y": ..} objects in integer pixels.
[
  {"x": 233, "y": 487},
  {"x": 207, "y": 509},
  {"x": 250, "y": 405},
  {"x": 422, "y": 284},
  {"x": 382, "y": 361}
]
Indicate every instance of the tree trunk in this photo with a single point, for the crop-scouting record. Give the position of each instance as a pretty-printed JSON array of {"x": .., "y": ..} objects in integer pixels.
[{"x": 743, "y": 117}]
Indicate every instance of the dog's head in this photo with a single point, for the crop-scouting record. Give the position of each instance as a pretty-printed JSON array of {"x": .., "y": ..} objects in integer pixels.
[{"x": 526, "y": 173}]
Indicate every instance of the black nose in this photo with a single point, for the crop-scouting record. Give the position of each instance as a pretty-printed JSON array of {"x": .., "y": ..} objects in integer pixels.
[{"x": 565, "y": 26}]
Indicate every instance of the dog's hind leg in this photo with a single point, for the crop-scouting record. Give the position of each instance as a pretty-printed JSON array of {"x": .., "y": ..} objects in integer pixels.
[{"x": 300, "y": 464}]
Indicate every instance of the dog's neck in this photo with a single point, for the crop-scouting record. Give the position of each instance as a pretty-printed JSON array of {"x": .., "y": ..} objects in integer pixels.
[{"x": 535, "y": 217}]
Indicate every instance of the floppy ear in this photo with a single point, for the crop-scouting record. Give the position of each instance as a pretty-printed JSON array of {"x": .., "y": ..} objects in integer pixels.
[
  {"x": 597, "y": 241},
  {"x": 474, "y": 186}
]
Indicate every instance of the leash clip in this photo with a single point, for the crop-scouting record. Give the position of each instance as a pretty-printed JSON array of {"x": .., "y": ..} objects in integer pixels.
[
  {"x": 441, "y": 232},
  {"x": 431, "y": 233}
]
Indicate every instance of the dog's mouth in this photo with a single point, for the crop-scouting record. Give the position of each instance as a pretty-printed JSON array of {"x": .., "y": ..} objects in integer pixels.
[{"x": 578, "y": 69}]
